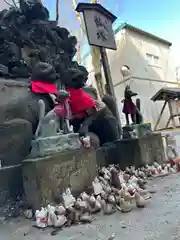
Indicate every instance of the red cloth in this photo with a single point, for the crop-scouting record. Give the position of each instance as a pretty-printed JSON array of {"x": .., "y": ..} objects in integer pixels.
[
  {"x": 129, "y": 107},
  {"x": 39, "y": 86},
  {"x": 80, "y": 102}
]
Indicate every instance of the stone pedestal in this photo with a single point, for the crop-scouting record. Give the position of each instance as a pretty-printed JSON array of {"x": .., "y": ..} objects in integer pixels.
[
  {"x": 105, "y": 154},
  {"x": 45, "y": 146},
  {"x": 140, "y": 130},
  {"x": 138, "y": 151},
  {"x": 46, "y": 178}
]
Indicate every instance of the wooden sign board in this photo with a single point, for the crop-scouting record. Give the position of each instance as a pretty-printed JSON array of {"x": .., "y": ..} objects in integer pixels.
[{"x": 99, "y": 29}]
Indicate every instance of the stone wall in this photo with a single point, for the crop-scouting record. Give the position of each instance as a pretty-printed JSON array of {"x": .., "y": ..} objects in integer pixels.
[{"x": 46, "y": 178}]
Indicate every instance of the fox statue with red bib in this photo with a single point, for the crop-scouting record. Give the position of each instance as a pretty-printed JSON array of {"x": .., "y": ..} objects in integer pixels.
[{"x": 90, "y": 116}]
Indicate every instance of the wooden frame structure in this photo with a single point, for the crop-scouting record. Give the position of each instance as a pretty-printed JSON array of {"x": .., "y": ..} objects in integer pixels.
[{"x": 169, "y": 96}]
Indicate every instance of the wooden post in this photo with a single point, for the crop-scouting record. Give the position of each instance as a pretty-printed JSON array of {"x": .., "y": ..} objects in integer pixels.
[
  {"x": 107, "y": 72},
  {"x": 109, "y": 82},
  {"x": 167, "y": 124},
  {"x": 171, "y": 113},
  {"x": 160, "y": 115}
]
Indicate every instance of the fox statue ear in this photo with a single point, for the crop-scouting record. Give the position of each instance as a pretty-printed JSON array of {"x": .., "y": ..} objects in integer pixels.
[{"x": 127, "y": 88}]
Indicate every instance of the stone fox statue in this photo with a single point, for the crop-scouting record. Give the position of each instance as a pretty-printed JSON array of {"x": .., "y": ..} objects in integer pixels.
[
  {"x": 56, "y": 120},
  {"x": 20, "y": 116},
  {"x": 129, "y": 108},
  {"x": 90, "y": 115},
  {"x": 51, "y": 122}
]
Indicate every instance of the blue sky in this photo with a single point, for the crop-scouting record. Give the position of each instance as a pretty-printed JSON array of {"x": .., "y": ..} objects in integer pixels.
[{"x": 160, "y": 17}]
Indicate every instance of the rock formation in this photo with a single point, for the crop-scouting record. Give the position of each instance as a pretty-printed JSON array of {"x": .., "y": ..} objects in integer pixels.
[{"x": 28, "y": 36}]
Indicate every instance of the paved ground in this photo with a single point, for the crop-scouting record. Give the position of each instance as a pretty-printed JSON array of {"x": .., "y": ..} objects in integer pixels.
[{"x": 159, "y": 221}]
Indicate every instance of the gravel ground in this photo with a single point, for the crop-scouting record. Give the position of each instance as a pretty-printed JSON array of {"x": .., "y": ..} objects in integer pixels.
[{"x": 159, "y": 221}]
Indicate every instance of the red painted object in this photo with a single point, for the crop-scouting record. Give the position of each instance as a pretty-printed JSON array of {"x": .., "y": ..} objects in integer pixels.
[
  {"x": 79, "y": 102},
  {"x": 39, "y": 86}
]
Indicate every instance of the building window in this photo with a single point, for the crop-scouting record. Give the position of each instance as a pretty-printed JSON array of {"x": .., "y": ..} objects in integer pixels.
[{"x": 152, "y": 60}]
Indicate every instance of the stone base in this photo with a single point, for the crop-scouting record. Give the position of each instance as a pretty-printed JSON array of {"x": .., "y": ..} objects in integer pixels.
[
  {"x": 138, "y": 152},
  {"x": 42, "y": 147},
  {"x": 11, "y": 184},
  {"x": 105, "y": 155},
  {"x": 140, "y": 129},
  {"x": 46, "y": 178}
]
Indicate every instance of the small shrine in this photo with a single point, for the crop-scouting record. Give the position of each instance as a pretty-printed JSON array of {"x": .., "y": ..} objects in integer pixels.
[{"x": 171, "y": 98}]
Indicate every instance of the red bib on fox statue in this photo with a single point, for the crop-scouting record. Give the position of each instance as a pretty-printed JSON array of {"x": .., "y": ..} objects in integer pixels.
[
  {"x": 83, "y": 106},
  {"x": 80, "y": 102},
  {"x": 39, "y": 86}
]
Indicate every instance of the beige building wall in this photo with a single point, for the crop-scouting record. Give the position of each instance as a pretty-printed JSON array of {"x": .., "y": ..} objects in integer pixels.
[{"x": 151, "y": 70}]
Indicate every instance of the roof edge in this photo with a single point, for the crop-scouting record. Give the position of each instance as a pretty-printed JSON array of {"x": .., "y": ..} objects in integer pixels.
[{"x": 138, "y": 30}]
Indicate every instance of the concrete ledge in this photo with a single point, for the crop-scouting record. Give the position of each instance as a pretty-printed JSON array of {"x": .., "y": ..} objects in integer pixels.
[
  {"x": 46, "y": 178},
  {"x": 46, "y": 146},
  {"x": 138, "y": 152},
  {"x": 11, "y": 184}
]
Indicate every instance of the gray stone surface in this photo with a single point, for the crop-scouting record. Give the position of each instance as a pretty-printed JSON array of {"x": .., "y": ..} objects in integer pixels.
[
  {"x": 15, "y": 141},
  {"x": 138, "y": 151},
  {"x": 139, "y": 129},
  {"x": 11, "y": 185},
  {"x": 159, "y": 221},
  {"x": 46, "y": 146},
  {"x": 46, "y": 178},
  {"x": 143, "y": 129}
]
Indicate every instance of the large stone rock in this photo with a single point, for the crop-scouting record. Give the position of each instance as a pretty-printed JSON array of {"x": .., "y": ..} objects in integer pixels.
[
  {"x": 46, "y": 178},
  {"x": 15, "y": 141}
]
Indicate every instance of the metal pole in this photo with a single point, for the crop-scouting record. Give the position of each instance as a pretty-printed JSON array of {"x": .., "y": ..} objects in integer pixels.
[{"x": 109, "y": 82}]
